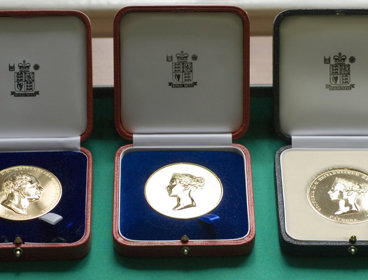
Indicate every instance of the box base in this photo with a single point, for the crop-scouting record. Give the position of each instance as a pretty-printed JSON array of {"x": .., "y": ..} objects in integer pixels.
[
  {"x": 140, "y": 230},
  {"x": 305, "y": 230},
  {"x": 36, "y": 239}
]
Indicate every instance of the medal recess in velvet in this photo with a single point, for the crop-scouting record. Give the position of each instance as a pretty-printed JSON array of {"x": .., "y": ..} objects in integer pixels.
[
  {"x": 36, "y": 186},
  {"x": 169, "y": 191}
]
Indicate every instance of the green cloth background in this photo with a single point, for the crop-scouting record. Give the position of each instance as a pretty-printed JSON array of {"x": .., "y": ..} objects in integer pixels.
[{"x": 265, "y": 262}]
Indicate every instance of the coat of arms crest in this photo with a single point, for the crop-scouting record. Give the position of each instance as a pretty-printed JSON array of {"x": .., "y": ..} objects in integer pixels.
[
  {"x": 340, "y": 77},
  {"x": 24, "y": 79},
  {"x": 182, "y": 70}
]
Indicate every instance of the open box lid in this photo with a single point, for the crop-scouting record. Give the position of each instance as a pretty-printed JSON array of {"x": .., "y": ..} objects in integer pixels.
[
  {"x": 46, "y": 81},
  {"x": 181, "y": 70},
  {"x": 320, "y": 73}
]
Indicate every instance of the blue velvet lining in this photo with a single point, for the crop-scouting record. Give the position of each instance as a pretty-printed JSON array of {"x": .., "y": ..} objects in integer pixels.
[
  {"x": 71, "y": 170},
  {"x": 138, "y": 221}
]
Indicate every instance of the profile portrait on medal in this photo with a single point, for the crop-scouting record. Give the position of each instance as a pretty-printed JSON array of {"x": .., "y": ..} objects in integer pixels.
[
  {"x": 182, "y": 186},
  {"x": 19, "y": 191},
  {"x": 351, "y": 197}
]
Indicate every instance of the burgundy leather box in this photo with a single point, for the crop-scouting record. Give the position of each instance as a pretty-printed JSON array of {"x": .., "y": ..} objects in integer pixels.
[
  {"x": 46, "y": 112},
  {"x": 182, "y": 95}
]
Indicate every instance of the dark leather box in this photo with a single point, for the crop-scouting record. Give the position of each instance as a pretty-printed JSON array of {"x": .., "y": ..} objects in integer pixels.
[{"x": 320, "y": 95}]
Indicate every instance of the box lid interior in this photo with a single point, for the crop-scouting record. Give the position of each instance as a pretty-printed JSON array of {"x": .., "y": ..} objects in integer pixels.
[
  {"x": 320, "y": 73},
  {"x": 45, "y": 74},
  {"x": 181, "y": 70}
]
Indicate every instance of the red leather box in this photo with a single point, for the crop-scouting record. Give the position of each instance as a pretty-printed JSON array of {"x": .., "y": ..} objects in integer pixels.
[
  {"x": 182, "y": 95},
  {"x": 46, "y": 112}
]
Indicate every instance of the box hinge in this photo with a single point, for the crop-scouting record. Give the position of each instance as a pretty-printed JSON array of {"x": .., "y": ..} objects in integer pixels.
[
  {"x": 325, "y": 142},
  {"x": 182, "y": 140},
  {"x": 40, "y": 144}
]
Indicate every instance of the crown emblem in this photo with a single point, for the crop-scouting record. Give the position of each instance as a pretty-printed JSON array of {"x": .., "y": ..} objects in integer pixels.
[
  {"x": 24, "y": 66},
  {"x": 182, "y": 56},
  {"x": 339, "y": 58}
]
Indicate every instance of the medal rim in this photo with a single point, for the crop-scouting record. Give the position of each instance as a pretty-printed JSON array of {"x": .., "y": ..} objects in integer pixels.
[
  {"x": 57, "y": 201},
  {"x": 312, "y": 206},
  {"x": 189, "y": 163}
]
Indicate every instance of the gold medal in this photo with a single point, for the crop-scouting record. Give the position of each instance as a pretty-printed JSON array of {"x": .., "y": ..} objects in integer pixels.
[
  {"x": 183, "y": 190},
  {"x": 340, "y": 195},
  {"x": 27, "y": 192}
]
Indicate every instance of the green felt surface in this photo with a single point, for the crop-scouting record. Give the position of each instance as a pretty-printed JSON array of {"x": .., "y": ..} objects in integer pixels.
[{"x": 265, "y": 262}]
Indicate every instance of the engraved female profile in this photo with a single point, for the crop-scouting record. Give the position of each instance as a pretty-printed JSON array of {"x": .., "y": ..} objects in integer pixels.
[
  {"x": 350, "y": 196},
  {"x": 19, "y": 191},
  {"x": 182, "y": 186}
]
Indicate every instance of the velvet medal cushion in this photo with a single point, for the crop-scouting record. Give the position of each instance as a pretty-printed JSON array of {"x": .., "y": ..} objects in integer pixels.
[
  {"x": 138, "y": 221},
  {"x": 71, "y": 170}
]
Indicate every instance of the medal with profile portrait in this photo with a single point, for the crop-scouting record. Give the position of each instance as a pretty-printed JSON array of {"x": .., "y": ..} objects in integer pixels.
[
  {"x": 183, "y": 190},
  {"x": 340, "y": 195},
  {"x": 27, "y": 192}
]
